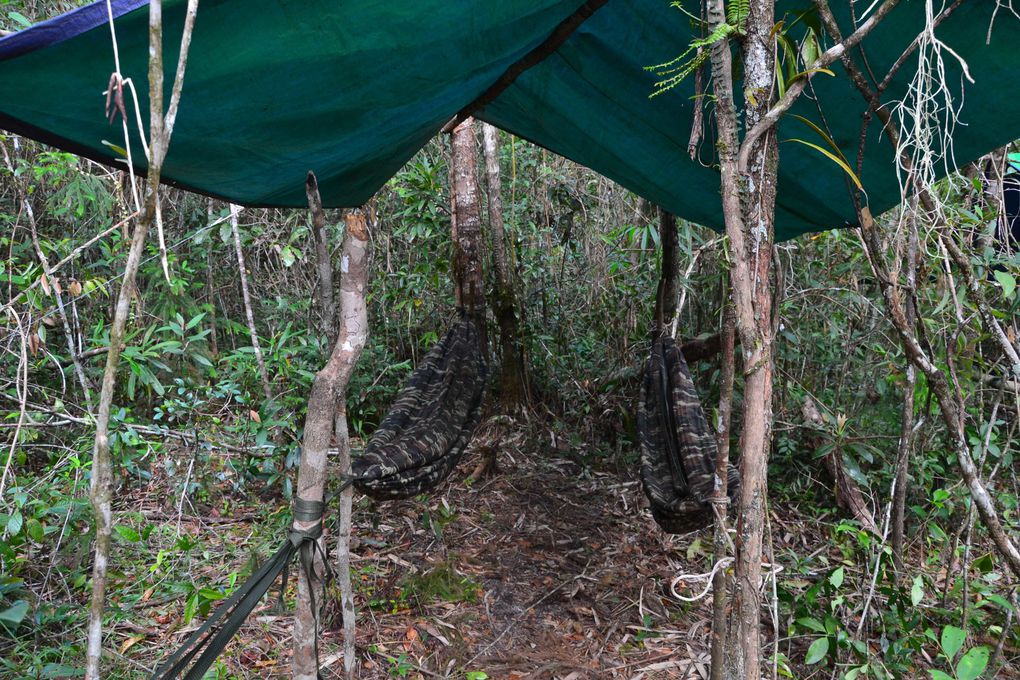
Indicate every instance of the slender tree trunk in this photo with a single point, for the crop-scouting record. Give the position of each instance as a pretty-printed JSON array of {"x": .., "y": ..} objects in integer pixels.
[
  {"x": 950, "y": 405},
  {"x": 467, "y": 226},
  {"x": 906, "y": 420},
  {"x": 720, "y": 582},
  {"x": 210, "y": 290},
  {"x": 101, "y": 486},
  {"x": 329, "y": 389},
  {"x": 322, "y": 264},
  {"x": 513, "y": 366},
  {"x": 242, "y": 270},
  {"x": 665, "y": 295},
  {"x": 344, "y": 527},
  {"x": 748, "y": 177}
]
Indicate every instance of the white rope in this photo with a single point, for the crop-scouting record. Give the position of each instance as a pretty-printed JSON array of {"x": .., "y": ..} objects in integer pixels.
[
  {"x": 710, "y": 576},
  {"x": 773, "y": 571}
]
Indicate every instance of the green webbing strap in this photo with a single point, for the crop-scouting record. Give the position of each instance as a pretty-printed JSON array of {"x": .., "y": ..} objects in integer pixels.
[{"x": 212, "y": 637}]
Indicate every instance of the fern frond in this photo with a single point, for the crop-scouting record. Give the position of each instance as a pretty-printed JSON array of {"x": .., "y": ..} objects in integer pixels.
[{"x": 736, "y": 14}]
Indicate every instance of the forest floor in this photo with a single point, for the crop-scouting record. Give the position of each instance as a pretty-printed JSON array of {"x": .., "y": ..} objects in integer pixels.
[{"x": 545, "y": 568}]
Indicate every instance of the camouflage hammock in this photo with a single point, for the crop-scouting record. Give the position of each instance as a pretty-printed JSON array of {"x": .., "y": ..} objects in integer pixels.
[
  {"x": 678, "y": 447},
  {"x": 417, "y": 445},
  {"x": 424, "y": 435}
]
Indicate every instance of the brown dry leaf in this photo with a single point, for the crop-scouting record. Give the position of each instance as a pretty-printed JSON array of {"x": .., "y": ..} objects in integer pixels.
[
  {"x": 56, "y": 286},
  {"x": 130, "y": 642},
  {"x": 254, "y": 415},
  {"x": 410, "y": 637},
  {"x": 45, "y": 283},
  {"x": 147, "y": 594},
  {"x": 34, "y": 343}
]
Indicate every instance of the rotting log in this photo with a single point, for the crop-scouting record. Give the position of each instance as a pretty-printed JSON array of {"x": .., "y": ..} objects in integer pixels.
[{"x": 328, "y": 390}]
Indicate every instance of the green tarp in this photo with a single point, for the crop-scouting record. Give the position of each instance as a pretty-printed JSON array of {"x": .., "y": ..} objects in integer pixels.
[{"x": 351, "y": 89}]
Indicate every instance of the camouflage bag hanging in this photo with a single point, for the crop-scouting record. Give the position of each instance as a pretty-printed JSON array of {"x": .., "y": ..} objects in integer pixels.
[
  {"x": 678, "y": 447},
  {"x": 422, "y": 438}
]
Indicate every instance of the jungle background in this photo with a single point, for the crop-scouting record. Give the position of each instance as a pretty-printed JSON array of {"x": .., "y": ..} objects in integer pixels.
[{"x": 548, "y": 566}]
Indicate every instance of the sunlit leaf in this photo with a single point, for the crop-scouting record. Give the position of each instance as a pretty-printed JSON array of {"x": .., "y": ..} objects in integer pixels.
[{"x": 817, "y": 651}]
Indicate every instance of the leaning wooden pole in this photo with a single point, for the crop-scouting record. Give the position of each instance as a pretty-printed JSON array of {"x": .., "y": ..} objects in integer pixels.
[
  {"x": 101, "y": 486},
  {"x": 328, "y": 389}
]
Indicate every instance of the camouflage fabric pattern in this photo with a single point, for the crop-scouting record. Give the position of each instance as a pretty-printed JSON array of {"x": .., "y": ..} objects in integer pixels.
[
  {"x": 422, "y": 438},
  {"x": 678, "y": 446}
]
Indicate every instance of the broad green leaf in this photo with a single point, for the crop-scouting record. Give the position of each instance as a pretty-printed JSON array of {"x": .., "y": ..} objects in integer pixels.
[
  {"x": 14, "y": 523},
  {"x": 191, "y": 608},
  {"x": 917, "y": 591},
  {"x": 985, "y": 563},
  {"x": 939, "y": 675},
  {"x": 127, "y": 533},
  {"x": 35, "y": 529},
  {"x": 811, "y": 624},
  {"x": 973, "y": 663},
  {"x": 14, "y": 615},
  {"x": 817, "y": 651},
  {"x": 998, "y": 600},
  {"x": 836, "y": 579},
  {"x": 20, "y": 18},
  {"x": 1008, "y": 283},
  {"x": 952, "y": 641}
]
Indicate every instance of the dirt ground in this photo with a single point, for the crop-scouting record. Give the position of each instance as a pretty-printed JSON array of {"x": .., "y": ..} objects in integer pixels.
[
  {"x": 541, "y": 569},
  {"x": 548, "y": 568}
]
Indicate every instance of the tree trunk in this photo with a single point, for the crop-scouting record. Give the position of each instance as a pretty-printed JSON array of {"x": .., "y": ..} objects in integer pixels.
[
  {"x": 513, "y": 365},
  {"x": 748, "y": 177},
  {"x": 720, "y": 583},
  {"x": 323, "y": 266},
  {"x": 249, "y": 314},
  {"x": 665, "y": 295},
  {"x": 328, "y": 389},
  {"x": 101, "y": 486},
  {"x": 906, "y": 421},
  {"x": 467, "y": 227}
]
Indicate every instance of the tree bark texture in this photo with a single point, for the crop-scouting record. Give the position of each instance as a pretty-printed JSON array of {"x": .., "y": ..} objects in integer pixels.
[
  {"x": 513, "y": 364},
  {"x": 665, "y": 295},
  {"x": 323, "y": 266},
  {"x": 344, "y": 527},
  {"x": 329, "y": 389},
  {"x": 720, "y": 582},
  {"x": 906, "y": 420},
  {"x": 101, "y": 484},
  {"x": 748, "y": 199},
  {"x": 467, "y": 226}
]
